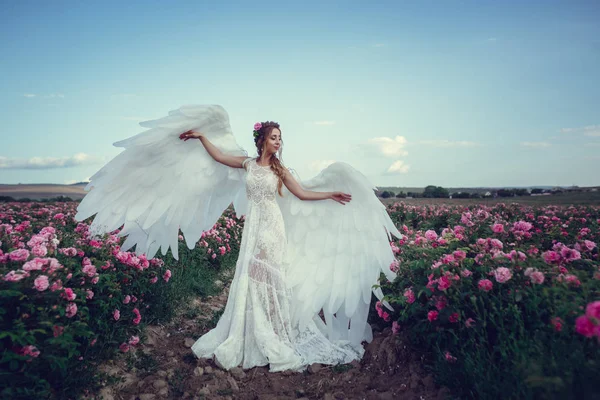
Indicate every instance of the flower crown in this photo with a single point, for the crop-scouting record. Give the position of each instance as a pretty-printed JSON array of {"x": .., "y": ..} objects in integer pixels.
[{"x": 256, "y": 131}]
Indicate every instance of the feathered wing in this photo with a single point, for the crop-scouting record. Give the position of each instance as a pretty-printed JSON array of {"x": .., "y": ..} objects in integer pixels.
[
  {"x": 160, "y": 184},
  {"x": 337, "y": 252}
]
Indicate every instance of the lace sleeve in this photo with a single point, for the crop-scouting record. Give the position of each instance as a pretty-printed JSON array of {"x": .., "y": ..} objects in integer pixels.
[{"x": 246, "y": 162}]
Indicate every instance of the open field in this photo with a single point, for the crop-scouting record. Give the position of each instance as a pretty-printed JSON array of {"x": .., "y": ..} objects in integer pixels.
[
  {"x": 574, "y": 198},
  {"x": 43, "y": 191}
]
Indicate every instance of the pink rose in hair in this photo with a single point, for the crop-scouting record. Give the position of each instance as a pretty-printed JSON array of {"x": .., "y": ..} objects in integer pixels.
[{"x": 257, "y": 126}]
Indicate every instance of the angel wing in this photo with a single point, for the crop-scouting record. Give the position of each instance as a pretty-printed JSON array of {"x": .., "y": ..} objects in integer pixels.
[
  {"x": 336, "y": 253},
  {"x": 161, "y": 184}
]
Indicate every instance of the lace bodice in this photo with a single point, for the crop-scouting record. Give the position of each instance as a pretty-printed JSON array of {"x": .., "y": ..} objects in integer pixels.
[{"x": 261, "y": 182}]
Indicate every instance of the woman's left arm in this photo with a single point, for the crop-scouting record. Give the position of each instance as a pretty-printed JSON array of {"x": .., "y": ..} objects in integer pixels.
[{"x": 294, "y": 187}]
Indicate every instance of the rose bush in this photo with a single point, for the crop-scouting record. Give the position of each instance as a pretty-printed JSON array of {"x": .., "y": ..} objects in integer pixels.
[
  {"x": 503, "y": 298},
  {"x": 70, "y": 301}
]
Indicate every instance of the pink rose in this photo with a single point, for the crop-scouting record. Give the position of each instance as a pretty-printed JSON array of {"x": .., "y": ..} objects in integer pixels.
[
  {"x": 449, "y": 357},
  {"x": 41, "y": 283},
  {"x": 69, "y": 294},
  {"x": 485, "y": 285},
  {"x": 257, "y": 126},
  {"x": 593, "y": 311},
  {"x": 167, "y": 275},
  {"x": 395, "y": 328},
  {"x": 557, "y": 323},
  {"x": 127, "y": 299},
  {"x": 124, "y": 347},
  {"x": 409, "y": 295},
  {"x": 31, "y": 351},
  {"x": 498, "y": 228},
  {"x": 116, "y": 315},
  {"x": 57, "y": 330},
  {"x": 39, "y": 250},
  {"x": 453, "y": 317},
  {"x": 71, "y": 310},
  {"x": 537, "y": 277},
  {"x": 134, "y": 340},
  {"x": 584, "y": 326},
  {"x": 431, "y": 235},
  {"x": 502, "y": 274},
  {"x": 432, "y": 316},
  {"x": 18, "y": 255}
]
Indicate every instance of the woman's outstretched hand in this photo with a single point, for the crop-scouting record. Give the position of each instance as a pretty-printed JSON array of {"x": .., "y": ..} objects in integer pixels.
[
  {"x": 190, "y": 135},
  {"x": 340, "y": 197}
]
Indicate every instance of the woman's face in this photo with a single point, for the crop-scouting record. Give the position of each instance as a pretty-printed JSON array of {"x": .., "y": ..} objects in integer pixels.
[{"x": 273, "y": 142}]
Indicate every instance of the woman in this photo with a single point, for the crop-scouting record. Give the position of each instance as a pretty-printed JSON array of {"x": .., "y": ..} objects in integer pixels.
[
  {"x": 256, "y": 328},
  {"x": 298, "y": 259}
]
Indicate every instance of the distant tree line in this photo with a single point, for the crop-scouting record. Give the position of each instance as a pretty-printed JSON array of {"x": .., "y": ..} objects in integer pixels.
[{"x": 433, "y": 191}]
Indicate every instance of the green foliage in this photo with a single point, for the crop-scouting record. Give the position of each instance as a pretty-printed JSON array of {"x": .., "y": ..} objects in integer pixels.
[
  {"x": 72, "y": 346},
  {"x": 506, "y": 342}
]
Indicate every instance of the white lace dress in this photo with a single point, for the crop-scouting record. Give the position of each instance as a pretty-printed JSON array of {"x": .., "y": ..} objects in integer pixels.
[{"x": 255, "y": 328}]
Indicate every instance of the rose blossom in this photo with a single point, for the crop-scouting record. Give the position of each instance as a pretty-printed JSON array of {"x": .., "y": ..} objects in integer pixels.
[
  {"x": 116, "y": 315},
  {"x": 502, "y": 274},
  {"x": 593, "y": 310},
  {"x": 167, "y": 275},
  {"x": 431, "y": 235},
  {"x": 124, "y": 347},
  {"x": 19, "y": 255},
  {"x": 71, "y": 310},
  {"x": 57, "y": 330},
  {"x": 41, "y": 283},
  {"x": 537, "y": 277},
  {"x": 557, "y": 323},
  {"x": 432, "y": 316},
  {"x": 134, "y": 340},
  {"x": 485, "y": 285},
  {"x": 395, "y": 328},
  {"x": 498, "y": 228},
  {"x": 449, "y": 357},
  {"x": 69, "y": 294},
  {"x": 584, "y": 326},
  {"x": 409, "y": 295}
]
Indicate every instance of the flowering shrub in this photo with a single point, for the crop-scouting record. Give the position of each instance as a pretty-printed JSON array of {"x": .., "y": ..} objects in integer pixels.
[
  {"x": 502, "y": 297},
  {"x": 70, "y": 301}
]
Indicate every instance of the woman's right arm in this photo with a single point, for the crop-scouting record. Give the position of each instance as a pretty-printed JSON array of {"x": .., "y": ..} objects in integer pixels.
[{"x": 226, "y": 159}]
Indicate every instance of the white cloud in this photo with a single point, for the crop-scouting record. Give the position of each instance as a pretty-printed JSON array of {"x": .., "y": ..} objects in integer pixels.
[
  {"x": 389, "y": 147},
  {"x": 73, "y": 181},
  {"x": 319, "y": 165},
  {"x": 48, "y": 162},
  {"x": 590, "y": 130},
  {"x": 398, "y": 167},
  {"x": 538, "y": 145},
  {"x": 45, "y": 96},
  {"x": 448, "y": 143},
  {"x": 324, "y": 123}
]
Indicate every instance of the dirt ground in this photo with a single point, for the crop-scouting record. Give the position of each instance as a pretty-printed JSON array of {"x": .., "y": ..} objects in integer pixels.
[{"x": 165, "y": 368}]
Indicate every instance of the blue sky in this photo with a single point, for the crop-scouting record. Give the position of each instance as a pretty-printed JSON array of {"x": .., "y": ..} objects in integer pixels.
[{"x": 411, "y": 93}]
